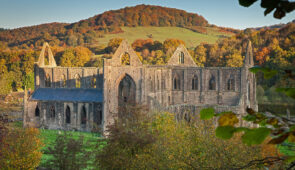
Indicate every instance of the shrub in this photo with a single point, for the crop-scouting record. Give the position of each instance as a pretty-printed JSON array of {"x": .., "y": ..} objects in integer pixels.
[
  {"x": 158, "y": 141},
  {"x": 20, "y": 149}
]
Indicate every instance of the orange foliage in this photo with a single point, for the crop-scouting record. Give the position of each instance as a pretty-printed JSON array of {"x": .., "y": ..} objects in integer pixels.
[{"x": 20, "y": 149}]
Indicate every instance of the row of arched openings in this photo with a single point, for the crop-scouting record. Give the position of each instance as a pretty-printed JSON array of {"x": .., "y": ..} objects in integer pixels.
[
  {"x": 68, "y": 114},
  {"x": 63, "y": 82},
  {"x": 230, "y": 86}
]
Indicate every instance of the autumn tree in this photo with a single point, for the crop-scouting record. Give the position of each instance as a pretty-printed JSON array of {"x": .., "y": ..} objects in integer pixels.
[
  {"x": 171, "y": 44},
  {"x": 67, "y": 58},
  {"x": 200, "y": 54},
  {"x": 21, "y": 149},
  {"x": 234, "y": 59}
]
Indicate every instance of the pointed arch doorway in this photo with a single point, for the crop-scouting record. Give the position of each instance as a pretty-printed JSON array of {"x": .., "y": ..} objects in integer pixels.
[{"x": 127, "y": 91}]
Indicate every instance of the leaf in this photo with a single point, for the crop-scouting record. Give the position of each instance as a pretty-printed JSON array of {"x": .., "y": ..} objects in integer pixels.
[
  {"x": 207, "y": 113},
  {"x": 246, "y": 3},
  {"x": 241, "y": 129},
  {"x": 255, "y": 136},
  {"x": 268, "y": 73},
  {"x": 268, "y": 10},
  {"x": 287, "y": 91},
  {"x": 279, "y": 139},
  {"x": 225, "y": 132},
  {"x": 255, "y": 69},
  {"x": 279, "y": 13},
  {"x": 228, "y": 119},
  {"x": 249, "y": 118}
]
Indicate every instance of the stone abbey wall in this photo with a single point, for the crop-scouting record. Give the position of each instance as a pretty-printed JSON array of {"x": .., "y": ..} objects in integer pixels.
[{"x": 180, "y": 87}]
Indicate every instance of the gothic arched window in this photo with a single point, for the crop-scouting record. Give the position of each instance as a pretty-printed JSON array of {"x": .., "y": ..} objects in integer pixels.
[
  {"x": 37, "y": 111},
  {"x": 93, "y": 82},
  {"x": 68, "y": 115},
  {"x": 195, "y": 83},
  {"x": 181, "y": 58},
  {"x": 231, "y": 83},
  {"x": 212, "y": 83},
  {"x": 176, "y": 83},
  {"x": 63, "y": 81},
  {"x": 47, "y": 81},
  {"x": 52, "y": 112},
  {"x": 125, "y": 59},
  {"x": 77, "y": 81},
  {"x": 83, "y": 115}
]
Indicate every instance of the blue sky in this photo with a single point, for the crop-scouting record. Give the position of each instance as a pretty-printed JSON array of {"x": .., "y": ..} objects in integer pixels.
[{"x": 228, "y": 13}]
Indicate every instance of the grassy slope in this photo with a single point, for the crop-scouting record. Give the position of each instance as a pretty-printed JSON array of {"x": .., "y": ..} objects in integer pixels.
[{"x": 192, "y": 39}]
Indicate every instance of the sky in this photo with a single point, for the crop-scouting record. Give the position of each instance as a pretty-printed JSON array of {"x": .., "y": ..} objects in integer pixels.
[{"x": 227, "y": 13}]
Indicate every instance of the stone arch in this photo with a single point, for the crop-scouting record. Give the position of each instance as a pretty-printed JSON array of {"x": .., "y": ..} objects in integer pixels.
[
  {"x": 83, "y": 115},
  {"x": 230, "y": 83},
  {"x": 212, "y": 83},
  {"x": 52, "y": 112},
  {"x": 126, "y": 91},
  {"x": 77, "y": 81},
  {"x": 68, "y": 115},
  {"x": 176, "y": 82},
  {"x": 63, "y": 81},
  {"x": 125, "y": 59},
  {"x": 37, "y": 111},
  {"x": 195, "y": 82},
  {"x": 47, "y": 80}
]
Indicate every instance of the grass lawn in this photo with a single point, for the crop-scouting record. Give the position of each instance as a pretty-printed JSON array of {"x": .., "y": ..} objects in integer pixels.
[
  {"x": 49, "y": 137},
  {"x": 191, "y": 38}
]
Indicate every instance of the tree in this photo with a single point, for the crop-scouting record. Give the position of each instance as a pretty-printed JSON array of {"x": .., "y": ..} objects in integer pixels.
[
  {"x": 82, "y": 56},
  {"x": 235, "y": 59},
  {"x": 281, "y": 6},
  {"x": 21, "y": 149},
  {"x": 68, "y": 153},
  {"x": 172, "y": 44},
  {"x": 200, "y": 55},
  {"x": 67, "y": 58},
  {"x": 3, "y": 68}
]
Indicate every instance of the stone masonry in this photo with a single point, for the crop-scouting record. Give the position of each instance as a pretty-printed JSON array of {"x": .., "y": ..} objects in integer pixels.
[{"x": 85, "y": 98}]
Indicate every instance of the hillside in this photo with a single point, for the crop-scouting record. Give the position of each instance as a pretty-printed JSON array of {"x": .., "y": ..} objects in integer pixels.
[
  {"x": 109, "y": 24},
  {"x": 191, "y": 38}
]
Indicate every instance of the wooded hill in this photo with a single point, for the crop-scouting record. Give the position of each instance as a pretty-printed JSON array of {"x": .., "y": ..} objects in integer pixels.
[{"x": 89, "y": 30}]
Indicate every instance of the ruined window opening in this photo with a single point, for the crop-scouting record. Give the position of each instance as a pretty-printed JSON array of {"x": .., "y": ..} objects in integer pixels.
[
  {"x": 100, "y": 117},
  {"x": 212, "y": 83},
  {"x": 125, "y": 59},
  {"x": 63, "y": 81},
  {"x": 52, "y": 112},
  {"x": 68, "y": 115},
  {"x": 181, "y": 58},
  {"x": 176, "y": 83},
  {"x": 163, "y": 84},
  {"x": 83, "y": 115},
  {"x": 151, "y": 84},
  {"x": 77, "y": 81},
  {"x": 158, "y": 83},
  {"x": 37, "y": 111},
  {"x": 47, "y": 81},
  {"x": 93, "y": 82},
  {"x": 231, "y": 84},
  {"x": 195, "y": 83}
]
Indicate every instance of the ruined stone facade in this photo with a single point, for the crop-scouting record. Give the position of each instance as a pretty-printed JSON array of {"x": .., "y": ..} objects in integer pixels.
[{"x": 84, "y": 98}]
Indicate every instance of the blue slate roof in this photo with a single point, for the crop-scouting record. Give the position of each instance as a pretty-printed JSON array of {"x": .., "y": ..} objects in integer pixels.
[{"x": 67, "y": 95}]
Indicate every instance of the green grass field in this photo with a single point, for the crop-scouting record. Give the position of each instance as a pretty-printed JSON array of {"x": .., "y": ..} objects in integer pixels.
[
  {"x": 49, "y": 136},
  {"x": 192, "y": 39}
]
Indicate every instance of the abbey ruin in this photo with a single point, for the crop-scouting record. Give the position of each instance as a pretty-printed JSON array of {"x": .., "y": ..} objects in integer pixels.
[{"x": 81, "y": 98}]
